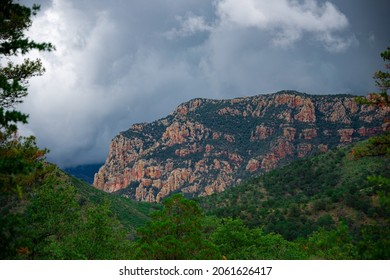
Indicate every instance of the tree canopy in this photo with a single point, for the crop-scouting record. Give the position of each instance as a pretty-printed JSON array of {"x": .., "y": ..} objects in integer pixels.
[{"x": 175, "y": 233}]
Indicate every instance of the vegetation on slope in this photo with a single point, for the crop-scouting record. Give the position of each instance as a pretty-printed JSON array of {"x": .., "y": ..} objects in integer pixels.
[
  {"x": 307, "y": 194},
  {"x": 61, "y": 217},
  {"x": 131, "y": 214}
]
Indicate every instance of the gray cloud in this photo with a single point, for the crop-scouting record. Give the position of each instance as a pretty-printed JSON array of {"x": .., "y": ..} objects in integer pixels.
[
  {"x": 121, "y": 62},
  {"x": 288, "y": 20},
  {"x": 190, "y": 25}
]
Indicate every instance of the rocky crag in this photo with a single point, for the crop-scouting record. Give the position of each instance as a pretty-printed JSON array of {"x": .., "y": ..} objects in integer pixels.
[{"x": 206, "y": 146}]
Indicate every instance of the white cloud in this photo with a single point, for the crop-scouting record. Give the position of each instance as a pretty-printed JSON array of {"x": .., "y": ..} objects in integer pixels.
[
  {"x": 287, "y": 20},
  {"x": 189, "y": 25}
]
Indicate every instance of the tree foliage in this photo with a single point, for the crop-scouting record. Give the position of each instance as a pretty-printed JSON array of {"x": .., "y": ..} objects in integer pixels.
[
  {"x": 15, "y": 20},
  {"x": 175, "y": 233},
  {"x": 19, "y": 156},
  {"x": 54, "y": 222},
  {"x": 334, "y": 244},
  {"x": 375, "y": 146},
  {"x": 374, "y": 242},
  {"x": 237, "y": 241}
]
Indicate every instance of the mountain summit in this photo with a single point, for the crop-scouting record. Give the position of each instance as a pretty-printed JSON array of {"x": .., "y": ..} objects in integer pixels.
[{"x": 206, "y": 146}]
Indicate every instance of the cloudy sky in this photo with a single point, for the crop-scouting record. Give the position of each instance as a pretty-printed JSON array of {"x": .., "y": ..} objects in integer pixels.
[{"x": 121, "y": 62}]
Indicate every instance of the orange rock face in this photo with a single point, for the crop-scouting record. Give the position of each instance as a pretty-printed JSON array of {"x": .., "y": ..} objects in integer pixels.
[
  {"x": 253, "y": 165},
  {"x": 346, "y": 135},
  {"x": 283, "y": 148},
  {"x": 364, "y": 131},
  {"x": 307, "y": 112},
  {"x": 269, "y": 162},
  {"x": 289, "y": 133},
  {"x": 309, "y": 133},
  {"x": 304, "y": 149},
  {"x": 153, "y": 172},
  {"x": 188, "y": 107},
  {"x": 262, "y": 132},
  {"x": 323, "y": 148}
]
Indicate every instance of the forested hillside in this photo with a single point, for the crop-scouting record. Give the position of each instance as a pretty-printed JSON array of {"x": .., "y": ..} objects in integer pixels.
[
  {"x": 307, "y": 194},
  {"x": 61, "y": 217}
]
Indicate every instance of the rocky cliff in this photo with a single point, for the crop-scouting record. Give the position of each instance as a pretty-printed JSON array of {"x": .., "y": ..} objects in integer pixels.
[{"x": 206, "y": 146}]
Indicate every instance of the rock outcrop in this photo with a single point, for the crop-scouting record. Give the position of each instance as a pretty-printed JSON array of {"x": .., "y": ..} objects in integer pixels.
[{"x": 206, "y": 146}]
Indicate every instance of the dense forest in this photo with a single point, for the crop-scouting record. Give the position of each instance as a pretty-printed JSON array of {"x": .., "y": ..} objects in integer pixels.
[{"x": 331, "y": 206}]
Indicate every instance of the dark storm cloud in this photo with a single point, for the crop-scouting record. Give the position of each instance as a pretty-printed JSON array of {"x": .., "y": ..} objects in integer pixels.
[{"x": 121, "y": 62}]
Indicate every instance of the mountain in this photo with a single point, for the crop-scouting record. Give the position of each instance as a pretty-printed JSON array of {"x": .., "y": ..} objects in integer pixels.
[
  {"x": 84, "y": 172},
  {"x": 206, "y": 146}
]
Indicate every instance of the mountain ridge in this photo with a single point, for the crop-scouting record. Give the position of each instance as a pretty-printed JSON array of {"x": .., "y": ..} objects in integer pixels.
[{"x": 206, "y": 145}]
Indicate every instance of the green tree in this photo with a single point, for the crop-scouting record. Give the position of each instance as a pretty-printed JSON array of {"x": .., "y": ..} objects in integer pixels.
[
  {"x": 18, "y": 155},
  {"x": 374, "y": 242},
  {"x": 334, "y": 244},
  {"x": 175, "y": 233},
  {"x": 56, "y": 224},
  {"x": 21, "y": 161},
  {"x": 236, "y": 241},
  {"x": 373, "y": 147},
  {"x": 15, "y": 20}
]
